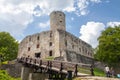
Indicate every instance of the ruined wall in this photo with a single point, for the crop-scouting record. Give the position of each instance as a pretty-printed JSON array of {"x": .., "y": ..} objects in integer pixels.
[
  {"x": 74, "y": 49},
  {"x": 42, "y": 43},
  {"x": 56, "y": 43}
]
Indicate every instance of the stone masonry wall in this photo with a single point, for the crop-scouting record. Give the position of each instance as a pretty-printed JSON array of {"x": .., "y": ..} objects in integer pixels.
[
  {"x": 74, "y": 49},
  {"x": 41, "y": 43}
]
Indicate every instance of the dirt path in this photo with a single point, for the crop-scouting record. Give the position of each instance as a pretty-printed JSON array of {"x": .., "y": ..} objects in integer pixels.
[{"x": 96, "y": 78}]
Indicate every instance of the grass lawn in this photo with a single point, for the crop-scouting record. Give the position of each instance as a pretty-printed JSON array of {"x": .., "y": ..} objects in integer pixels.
[{"x": 99, "y": 72}]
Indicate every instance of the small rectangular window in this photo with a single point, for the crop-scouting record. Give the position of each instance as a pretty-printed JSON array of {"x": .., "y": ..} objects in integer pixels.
[
  {"x": 73, "y": 46},
  {"x": 38, "y": 55},
  {"x": 50, "y": 43},
  {"x": 50, "y": 34},
  {"x": 80, "y": 49},
  {"x": 29, "y": 38},
  {"x": 28, "y": 48},
  {"x": 65, "y": 43},
  {"x": 37, "y": 46},
  {"x": 38, "y": 38},
  {"x": 50, "y": 53}
]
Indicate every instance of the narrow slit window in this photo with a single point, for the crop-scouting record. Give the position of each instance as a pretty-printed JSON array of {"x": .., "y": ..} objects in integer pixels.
[
  {"x": 37, "y": 46},
  {"x": 50, "y": 53},
  {"x": 51, "y": 34},
  {"x": 38, "y": 38},
  {"x": 29, "y": 38}
]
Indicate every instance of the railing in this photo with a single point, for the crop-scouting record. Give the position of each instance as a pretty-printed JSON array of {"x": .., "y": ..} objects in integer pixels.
[{"x": 60, "y": 66}]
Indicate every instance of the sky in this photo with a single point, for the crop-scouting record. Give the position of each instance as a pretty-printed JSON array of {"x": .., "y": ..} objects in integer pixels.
[{"x": 85, "y": 19}]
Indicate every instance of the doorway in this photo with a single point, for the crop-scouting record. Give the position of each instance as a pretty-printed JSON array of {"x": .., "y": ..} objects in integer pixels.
[{"x": 38, "y": 55}]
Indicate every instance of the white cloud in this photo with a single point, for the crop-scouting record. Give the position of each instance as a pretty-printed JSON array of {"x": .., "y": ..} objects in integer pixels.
[
  {"x": 112, "y": 24},
  {"x": 44, "y": 25},
  {"x": 72, "y": 18},
  {"x": 82, "y": 5},
  {"x": 96, "y": 1},
  {"x": 15, "y": 15},
  {"x": 47, "y": 6},
  {"x": 90, "y": 32},
  {"x": 15, "y": 24}
]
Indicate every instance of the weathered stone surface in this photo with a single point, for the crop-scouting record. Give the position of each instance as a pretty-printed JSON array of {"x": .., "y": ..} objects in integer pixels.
[
  {"x": 25, "y": 73},
  {"x": 13, "y": 70},
  {"x": 38, "y": 76}
]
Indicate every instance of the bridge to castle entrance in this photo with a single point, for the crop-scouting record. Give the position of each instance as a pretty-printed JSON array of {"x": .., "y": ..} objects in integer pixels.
[{"x": 38, "y": 69}]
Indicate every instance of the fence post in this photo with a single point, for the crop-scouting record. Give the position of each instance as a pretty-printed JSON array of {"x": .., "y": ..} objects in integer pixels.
[{"x": 76, "y": 70}]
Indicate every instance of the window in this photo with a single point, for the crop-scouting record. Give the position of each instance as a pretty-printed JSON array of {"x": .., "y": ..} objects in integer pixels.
[
  {"x": 37, "y": 46},
  {"x": 28, "y": 48},
  {"x": 50, "y": 34},
  {"x": 50, "y": 53},
  {"x": 88, "y": 53},
  {"x": 29, "y": 38},
  {"x": 38, "y": 55},
  {"x": 60, "y": 21},
  {"x": 73, "y": 46},
  {"x": 38, "y": 38},
  {"x": 80, "y": 49},
  {"x": 65, "y": 43},
  {"x": 60, "y": 15},
  {"x": 50, "y": 44},
  {"x": 83, "y": 49}
]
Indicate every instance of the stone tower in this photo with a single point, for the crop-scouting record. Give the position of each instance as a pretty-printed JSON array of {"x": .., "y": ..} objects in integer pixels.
[{"x": 57, "y": 20}]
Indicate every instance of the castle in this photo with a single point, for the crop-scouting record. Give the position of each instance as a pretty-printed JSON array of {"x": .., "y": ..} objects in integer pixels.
[{"x": 56, "y": 43}]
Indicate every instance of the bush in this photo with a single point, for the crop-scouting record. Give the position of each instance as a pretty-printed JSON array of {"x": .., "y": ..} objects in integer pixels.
[{"x": 5, "y": 76}]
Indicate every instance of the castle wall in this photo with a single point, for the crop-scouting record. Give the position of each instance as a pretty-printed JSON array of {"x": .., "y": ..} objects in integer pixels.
[
  {"x": 74, "y": 49},
  {"x": 61, "y": 43},
  {"x": 38, "y": 43}
]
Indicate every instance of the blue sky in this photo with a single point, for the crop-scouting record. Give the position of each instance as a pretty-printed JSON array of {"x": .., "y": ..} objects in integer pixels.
[{"x": 84, "y": 18}]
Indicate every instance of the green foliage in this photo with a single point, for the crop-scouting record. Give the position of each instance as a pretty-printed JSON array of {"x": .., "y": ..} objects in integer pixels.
[
  {"x": 8, "y": 47},
  {"x": 50, "y": 58},
  {"x": 99, "y": 72},
  {"x": 4, "y": 76},
  {"x": 84, "y": 70},
  {"x": 5, "y": 62},
  {"x": 108, "y": 50}
]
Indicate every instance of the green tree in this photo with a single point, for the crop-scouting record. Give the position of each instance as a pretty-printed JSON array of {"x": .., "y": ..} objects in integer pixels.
[
  {"x": 108, "y": 50},
  {"x": 8, "y": 47}
]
